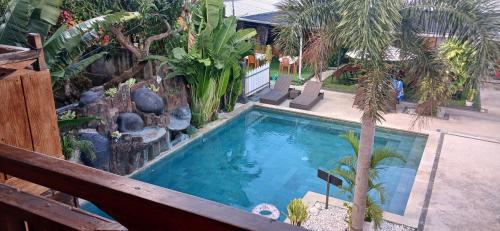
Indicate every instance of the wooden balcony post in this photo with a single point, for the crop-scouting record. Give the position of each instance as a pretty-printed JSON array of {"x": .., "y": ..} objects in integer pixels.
[{"x": 35, "y": 41}]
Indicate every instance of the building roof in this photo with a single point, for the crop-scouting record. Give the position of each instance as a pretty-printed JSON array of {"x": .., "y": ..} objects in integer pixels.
[
  {"x": 257, "y": 11},
  {"x": 269, "y": 18}
]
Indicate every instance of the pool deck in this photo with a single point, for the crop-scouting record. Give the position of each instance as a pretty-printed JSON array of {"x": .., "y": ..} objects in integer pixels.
[{"x": 457, "y": 183}]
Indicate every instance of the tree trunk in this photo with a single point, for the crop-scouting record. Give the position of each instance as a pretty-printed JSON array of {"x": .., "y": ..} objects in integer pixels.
[{"x": 362, "y": 167}]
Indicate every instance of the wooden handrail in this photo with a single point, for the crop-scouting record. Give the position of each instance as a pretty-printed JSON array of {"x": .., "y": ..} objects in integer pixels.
[
  {"x": 134, "y": 204},
  {"x": 17, "y": 207}
]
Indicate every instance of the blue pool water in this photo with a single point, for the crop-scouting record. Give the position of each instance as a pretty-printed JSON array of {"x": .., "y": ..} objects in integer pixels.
[{"x": 265, "y": 156}]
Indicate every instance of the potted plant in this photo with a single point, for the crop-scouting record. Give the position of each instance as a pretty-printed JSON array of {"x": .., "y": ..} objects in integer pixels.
[
  {"x": 297, "y": 212},
  {"x": 470, "y": 98}
]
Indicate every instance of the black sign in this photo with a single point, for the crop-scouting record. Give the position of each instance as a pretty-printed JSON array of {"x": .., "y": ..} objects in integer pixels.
[{"x": 329, "y": 178}]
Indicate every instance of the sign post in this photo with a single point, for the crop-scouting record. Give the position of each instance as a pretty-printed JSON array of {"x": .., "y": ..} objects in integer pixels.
[{"x": 330, "y": 179}]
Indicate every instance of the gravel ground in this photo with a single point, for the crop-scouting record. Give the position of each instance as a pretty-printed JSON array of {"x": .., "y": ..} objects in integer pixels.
[{"x": 334, "y": 219}]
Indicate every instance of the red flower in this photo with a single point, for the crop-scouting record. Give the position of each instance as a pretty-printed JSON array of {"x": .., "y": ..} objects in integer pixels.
[{"x": 105, "y": 40}]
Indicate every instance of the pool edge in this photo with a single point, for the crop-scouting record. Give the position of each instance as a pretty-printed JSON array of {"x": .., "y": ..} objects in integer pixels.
[{"x": 417, "y": 195}]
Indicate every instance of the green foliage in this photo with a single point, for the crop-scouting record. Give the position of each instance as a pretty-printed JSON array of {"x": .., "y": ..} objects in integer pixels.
[
  {"x": 211, "y": 63},
  {"x": 68, "y": 120},
  {"x": 24, "y": 16},
  {"x": 3, "y": 6},
  {"x": 131, "y": 82},
  {"x": 269, "y": 53},
  {"x": 76, "y": 68},
  {"x": 15, "y": 22},
  {"x": 153, "y": 88},
  {"x": 66, "y": 45},
  {"x": 70, "y": 144},
  {"x": 457, "y": 58},
  {"x": 234, "y": 88},
  {"x": 111, "y": 92},
  {"x": 347, "y": 171},
  {"x": 364, "y": 25},
  {"x": 69, "y": 115},
  {"x": 155, "y": 14},
  {"x": 297, "y": 212}
]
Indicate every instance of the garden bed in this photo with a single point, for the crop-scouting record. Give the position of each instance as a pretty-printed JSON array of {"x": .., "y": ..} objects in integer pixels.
[{"x": 334, "y": 218}]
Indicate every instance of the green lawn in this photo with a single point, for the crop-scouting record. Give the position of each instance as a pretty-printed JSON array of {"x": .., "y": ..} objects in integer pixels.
[
  {"x": 334, "y": 85},
  {"x": 307, "y": 72}
]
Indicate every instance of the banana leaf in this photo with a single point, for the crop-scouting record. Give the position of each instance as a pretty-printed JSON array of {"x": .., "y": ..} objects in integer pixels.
[
  {"x": 81, "y": 34},
  {"x": 13, "y": 29},
  {"x": 75, "y": 68},
  {"x": 44, "y": 16}
]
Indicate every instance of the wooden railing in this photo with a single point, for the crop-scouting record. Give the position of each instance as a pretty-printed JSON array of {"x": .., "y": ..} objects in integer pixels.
[{"x": 135, "y": 205}]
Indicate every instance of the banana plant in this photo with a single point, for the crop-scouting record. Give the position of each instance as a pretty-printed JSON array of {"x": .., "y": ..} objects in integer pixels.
[
  {"x": 28, "y": 16},
  {"x": 63, "y": 49},
  {"x": 210, "y": 59}
]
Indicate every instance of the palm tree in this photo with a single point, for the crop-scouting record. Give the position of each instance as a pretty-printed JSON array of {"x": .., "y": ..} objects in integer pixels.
[
  {"x": 370, "y": 26},
  {"x": 347, "y": 170}
]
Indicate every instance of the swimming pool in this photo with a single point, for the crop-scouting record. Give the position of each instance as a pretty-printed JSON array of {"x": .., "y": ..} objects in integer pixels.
[{"x": 269, "y": 156}]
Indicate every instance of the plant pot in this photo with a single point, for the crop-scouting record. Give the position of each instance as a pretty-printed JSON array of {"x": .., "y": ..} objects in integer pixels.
[
  {"x": 440, "y": 112},
  {"x": 368, "y": 226},
  {"x": 469, "y": 103}
]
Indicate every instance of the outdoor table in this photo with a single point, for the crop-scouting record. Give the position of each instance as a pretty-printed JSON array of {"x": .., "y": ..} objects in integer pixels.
[
  {"x": 291, "y": 59},
  {"x": 258, "y": 57},
  {"x": 293, "y": 93}
]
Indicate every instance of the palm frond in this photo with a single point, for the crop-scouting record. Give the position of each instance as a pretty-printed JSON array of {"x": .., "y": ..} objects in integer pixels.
[
  {"x": 352, "y": 139},
  {"x": 476, "y": 22},
  {"x": 381, "y": 154},
  {"x": 374, "y": 94},
  {"x": 302, "y": 16},
  {"x": 367, "y": 26}
]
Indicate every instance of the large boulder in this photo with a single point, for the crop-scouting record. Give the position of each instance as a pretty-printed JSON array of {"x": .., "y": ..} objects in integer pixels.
[
  {"x": 134, "y": 149},
  {"x": 89, "y": 97},
  {"x": 101, "y": 147},
  {"x": 147, "y": 101},
  {"x": 179, "y": 138},
  {"x": 180, "y": 118},
  {"x": 129, "y": 122}
]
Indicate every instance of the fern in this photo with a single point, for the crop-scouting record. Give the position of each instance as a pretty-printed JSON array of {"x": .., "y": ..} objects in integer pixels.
[{"x": 70, "y": 144}]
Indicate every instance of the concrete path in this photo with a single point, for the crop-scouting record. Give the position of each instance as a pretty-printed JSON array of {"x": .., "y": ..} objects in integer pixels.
[{"x": 465, "y": 194}]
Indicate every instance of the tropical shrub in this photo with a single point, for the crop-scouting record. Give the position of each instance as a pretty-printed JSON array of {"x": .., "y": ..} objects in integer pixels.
[
  {"x": 297, "y": 212},
  {"x": 111, "y": 92},
  {"x": 346, "y": 169},
  {"x": 155, "y": 14},
  {"x": 64, "y": 48},
  {"x": 70, "y": 144},
  {"x": 210, "y": 59},
  {"x": 457, "y": 58},
  {"x": 67, "y": 122}
]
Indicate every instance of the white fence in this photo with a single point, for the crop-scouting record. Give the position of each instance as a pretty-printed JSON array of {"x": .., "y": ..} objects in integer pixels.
[{"x": 256, "y": 79}]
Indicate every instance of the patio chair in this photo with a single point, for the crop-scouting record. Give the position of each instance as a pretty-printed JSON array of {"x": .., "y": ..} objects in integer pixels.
[
  {"x": 285, "y": 63},
  {"x": 252, "y": 61},
  {"x": 310, "y": 96},
  {"x": 279, "y": 93}
]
